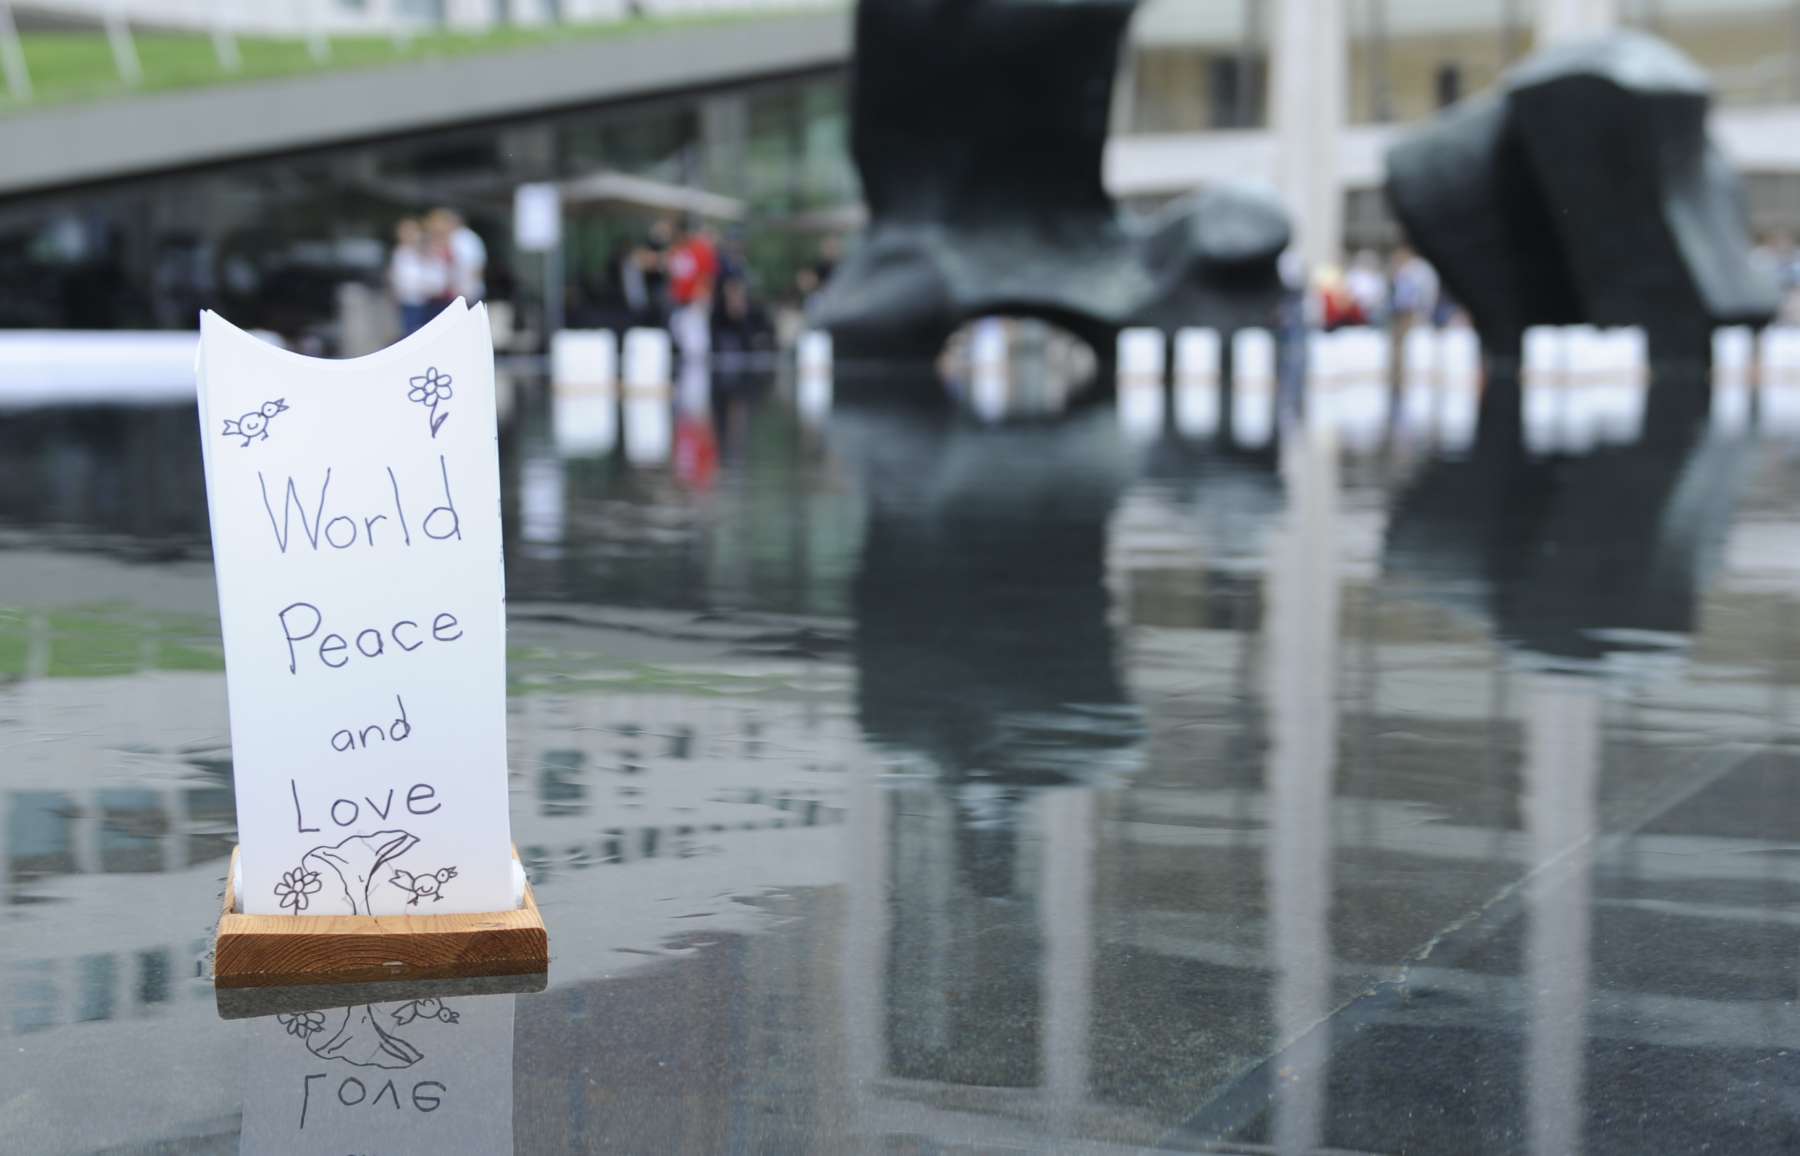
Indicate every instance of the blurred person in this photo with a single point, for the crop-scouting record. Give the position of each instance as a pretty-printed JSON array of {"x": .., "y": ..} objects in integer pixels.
[
  {"x": 439, "y": 229},
  {"x": 416, "y": 276},
  {"x": 469, "y": 252},
  {"x": 693, "y": 266},
  {"x": 644, "y": 274},
  {"x": 1367, "y": 283},
  {"x": 1338, "y": 307},
  {"x": 1415, "y": 288},
  {"x": 734, "y": 258},
  {"x": 1414, "y": 302},
  {"x": 1778, "y": 255},
  {"x": 812, "y": 277},
  {"x": 693, "y": 274},
  {"x": 464, "y": 251},
  {"x": 1298, "y": 312},
  {"x": 742, "y": 332}
]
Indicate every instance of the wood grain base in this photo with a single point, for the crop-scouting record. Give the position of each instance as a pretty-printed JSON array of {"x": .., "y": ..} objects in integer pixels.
[{"x": 286, "y": 950}]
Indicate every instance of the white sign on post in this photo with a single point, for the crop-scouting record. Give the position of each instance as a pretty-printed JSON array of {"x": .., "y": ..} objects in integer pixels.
[
  {"x": 537, "y": 218},
  {"x": 356, "y": 535}
]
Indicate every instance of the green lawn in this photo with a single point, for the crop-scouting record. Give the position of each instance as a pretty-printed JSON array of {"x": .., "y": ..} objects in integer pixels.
[{"x": 78, "y": 66}]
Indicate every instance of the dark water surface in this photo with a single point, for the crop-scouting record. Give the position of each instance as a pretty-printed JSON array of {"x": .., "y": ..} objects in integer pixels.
[{"x": 903, "y": 785}]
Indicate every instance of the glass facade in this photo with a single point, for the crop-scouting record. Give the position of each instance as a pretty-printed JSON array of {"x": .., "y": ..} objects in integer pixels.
[{"x": 273, "y": 242}]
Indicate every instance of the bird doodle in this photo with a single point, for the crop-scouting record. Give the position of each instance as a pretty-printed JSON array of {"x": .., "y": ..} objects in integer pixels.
[
  {"x": 424, "y": 1009},
  {"x": 428, "y": 885},
  {"x": 254, "y": 426}
]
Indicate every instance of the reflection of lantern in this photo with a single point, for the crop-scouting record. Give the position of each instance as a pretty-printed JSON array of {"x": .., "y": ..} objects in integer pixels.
[{"x": 430, "y": 1074}]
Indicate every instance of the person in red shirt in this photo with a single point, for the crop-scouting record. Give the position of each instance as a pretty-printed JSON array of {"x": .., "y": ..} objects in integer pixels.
[{"x": 693, "y": 267}]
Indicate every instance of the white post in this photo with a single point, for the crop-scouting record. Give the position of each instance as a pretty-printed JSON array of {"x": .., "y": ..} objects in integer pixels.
[
  {"x": 124, "y": 52},
  {"x": 1308, "y": 97},
  {"x": 868, "y": 919},
  {"x": 1562, "y": 767},
  {"x": 12, "y": 56},
  {"x": 224, "y": 40},
  {"x": 469, "y": 16},
  {"x": 1559, "y": 20},
  {"x": 317, "y": 43},
  {"x": 1066, "y": 911},
  {"x": 399, "y": 29},
  {"x": 1302, "y": 667}
]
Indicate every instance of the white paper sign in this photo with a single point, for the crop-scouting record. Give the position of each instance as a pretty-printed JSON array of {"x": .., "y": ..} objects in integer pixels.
[
  {"x": 537, "y": 218},
  {"x": 428, "y": 1076},
  {"x": 356, "y": 534}
]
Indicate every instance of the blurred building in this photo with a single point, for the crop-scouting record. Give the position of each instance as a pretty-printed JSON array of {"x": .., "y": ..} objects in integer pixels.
[
  {"x": 1203, "y": 92},
  {"x": 115, "y": 214},
  {"x": 287, "y": 17}
]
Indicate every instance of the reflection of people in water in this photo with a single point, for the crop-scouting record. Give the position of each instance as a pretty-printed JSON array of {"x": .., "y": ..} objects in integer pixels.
[{"x": 742, "y": 334}]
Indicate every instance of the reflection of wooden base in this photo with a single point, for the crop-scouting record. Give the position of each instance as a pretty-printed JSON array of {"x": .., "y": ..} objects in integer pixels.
[
  {"x": 244, "y": 1003},
  {"x": 269, "y": 950}
]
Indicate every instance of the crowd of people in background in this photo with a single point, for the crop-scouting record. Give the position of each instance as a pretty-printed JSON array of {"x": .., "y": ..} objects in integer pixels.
[
  {"x": 1401, "y": 292},
  {"x": 435, "y": 260},
  {"x": 688, "y": 278},
  {"x": 682, "y": 275}
]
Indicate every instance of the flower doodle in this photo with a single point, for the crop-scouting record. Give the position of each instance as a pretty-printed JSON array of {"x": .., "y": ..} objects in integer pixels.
[
  {"x": 302, "y": 1024},
  {"x": 296, "y": 886},
  {"x": 430, "y": 389},
  {"x": 254, "y": 426}
]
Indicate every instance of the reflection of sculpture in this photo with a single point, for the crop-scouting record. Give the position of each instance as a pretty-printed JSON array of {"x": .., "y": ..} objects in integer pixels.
[
  {"x": 1579, "y": 557},
  {"x": 983, "y": 641},
  {"x": 1585, "y": 191},
  {"x": 978, "y": 127}
]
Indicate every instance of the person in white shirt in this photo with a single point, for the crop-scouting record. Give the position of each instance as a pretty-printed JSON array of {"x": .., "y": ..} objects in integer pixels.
[
  {"x": 1368, "y": 286},
  {"x": 1415, "y": 287},
  {"x": 415, "y": 277},
  {"x": 468, "y": 254}
]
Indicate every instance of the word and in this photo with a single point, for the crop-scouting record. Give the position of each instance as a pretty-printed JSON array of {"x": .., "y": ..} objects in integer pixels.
[
  {"x": 349, "y": 740},
  {"x": 342, "y": 531},
  {"x": 371, "y": 641}
]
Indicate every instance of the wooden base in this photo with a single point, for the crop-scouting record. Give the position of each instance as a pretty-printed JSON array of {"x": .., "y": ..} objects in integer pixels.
[{"x": 285, "y": 950}]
